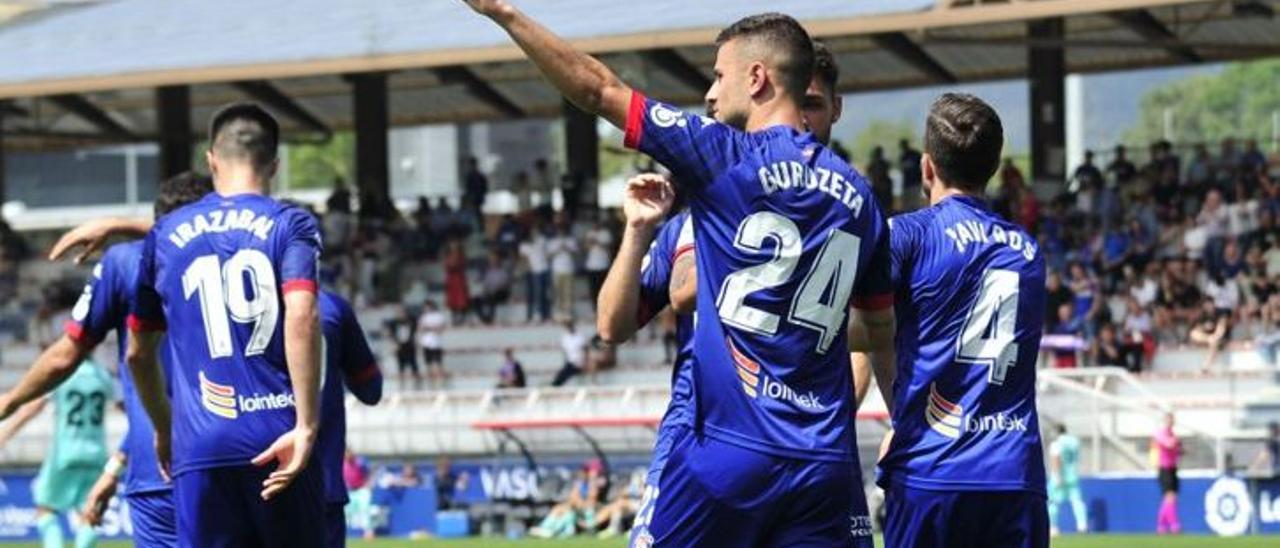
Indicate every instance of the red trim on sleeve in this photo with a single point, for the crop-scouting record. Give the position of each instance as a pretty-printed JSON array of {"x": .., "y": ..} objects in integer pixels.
[
  {"x": 681, "y": 251},
  {"x": 635, "y": 121},
  {"x": 873, "y": 302},
  {"x": 138, "y": 324},
  {"x": 75, "y": 331},
  {"x": 364, "y": 375},
  {"x": 299, "y": 285}
]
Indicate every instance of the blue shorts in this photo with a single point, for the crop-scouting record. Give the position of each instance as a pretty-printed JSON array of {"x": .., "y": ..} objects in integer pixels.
[
  {"x": 155, "y": 524},
  {"x": 918, "y": 518},
  {"x": 223, "y": 507},
  {"x": 713, "y": 493},
  {"x": 335, "y": 523}
]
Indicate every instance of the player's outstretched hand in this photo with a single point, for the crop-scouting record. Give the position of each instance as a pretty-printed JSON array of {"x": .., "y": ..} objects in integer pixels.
[
  {"x": 648, "y": 199},
  {"x": 491, "y": 8},
  {"x": 291, "y": 450},
  {"x": 90, "y": 237},
  {"x": 96, "y": 503},
  {"x": 164, "y": 453}
]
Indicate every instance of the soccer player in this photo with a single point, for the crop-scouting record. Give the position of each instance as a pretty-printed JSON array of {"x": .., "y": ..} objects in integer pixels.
[
  {"x": 79, "y": 449},
  {"x": 639, "y": 284},
  {"x": 1064, "y": 480},
  {"x": 101, "y": 309},
  {"x": 964, "y": 466},
  {"x": 788, "y": 236},
  {"x": 233, "y": 278}
]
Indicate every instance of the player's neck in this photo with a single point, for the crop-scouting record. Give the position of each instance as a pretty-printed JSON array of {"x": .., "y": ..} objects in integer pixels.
[
  {"x": 776, "y": 113},
  {"x": 937, "y": 195},
  {"x": 237, "y": 179}
]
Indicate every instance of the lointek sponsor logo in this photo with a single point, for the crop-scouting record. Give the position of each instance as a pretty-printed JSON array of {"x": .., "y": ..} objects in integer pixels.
[
  {"x": 998, "y": 422},
  {"x": 268, "y": 402},
  {"x": 776, "y": 390}
]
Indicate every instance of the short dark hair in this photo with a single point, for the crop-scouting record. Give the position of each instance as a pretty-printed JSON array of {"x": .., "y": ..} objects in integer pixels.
[
  {"x": 180, "y": 190},
  {"x": 245, "y": 131},
  {"x": 825, "y": 67},
  {"x": 784, "y": 36},
  {"x": 964, "y": 137}
]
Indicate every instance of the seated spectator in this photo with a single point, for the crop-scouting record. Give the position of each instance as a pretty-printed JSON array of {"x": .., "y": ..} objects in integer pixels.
[
  {"x": 1139, "y": 339},
  {"x": 1058, "y": 295},
  {"x": 574, "y": 347},
  {"x": 1067, "y": 331},
  {"x": 1088, "y": 303},
  {"x": 1142, "y": 283},
  {"x": 624, "y": 506},
  {"x": 580, "y": 504},
  {"x": 1106, "y": 350},
  {"x": 1225, "y": 293},
  {"x": 1268, "y": 340},
  {"x": 1210, "y": 331},
  {"x": 512, "y": 373},
  {"x": 1233, "y": 263},
  {"x": 495, "y": 287}
]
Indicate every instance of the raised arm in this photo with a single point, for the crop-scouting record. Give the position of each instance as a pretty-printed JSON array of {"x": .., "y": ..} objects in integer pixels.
[
  {"x": 93, "y": 235},
  {"x": 24, "y": 416},
  {"x": 582, "y": 79},
  {"x": 648, "y": 199}
]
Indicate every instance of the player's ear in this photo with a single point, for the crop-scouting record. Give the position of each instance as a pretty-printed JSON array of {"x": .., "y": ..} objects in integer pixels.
[
  {"x": 837, "y": 107},
  {"x": 928, "y": 171},
  {"x": 757, "y": 78},
  {"x": 211, "y": 161}
]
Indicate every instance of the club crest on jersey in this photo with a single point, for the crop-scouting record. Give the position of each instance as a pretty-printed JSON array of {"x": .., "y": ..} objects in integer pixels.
[
  {"x": 664, "y": 116},
  {"x": 943, "y": 416}
]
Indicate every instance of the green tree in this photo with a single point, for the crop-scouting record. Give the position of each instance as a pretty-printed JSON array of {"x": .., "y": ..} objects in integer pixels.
[
  {"x": 318, "y": 165},
  {"x": 1238, "y": 102}
]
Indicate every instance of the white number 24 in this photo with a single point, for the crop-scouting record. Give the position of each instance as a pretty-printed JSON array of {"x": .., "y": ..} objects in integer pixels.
[
  {"x": 832, "y": 275},
  {"x": 242, "y": 290},
  {"x": 988, "y": 335}
]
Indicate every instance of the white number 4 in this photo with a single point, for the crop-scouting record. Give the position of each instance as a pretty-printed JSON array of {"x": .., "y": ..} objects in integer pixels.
[
  {"x": 821, "y": 301},
  {"x": 988, "y": 334}
]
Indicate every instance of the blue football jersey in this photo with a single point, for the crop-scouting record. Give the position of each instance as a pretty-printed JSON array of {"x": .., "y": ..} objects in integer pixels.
[
  {"x": 103, "y": 308},
  {"x": 349, "y": 362},
  {"x": 788, "y": 237},
  {"x": 675, "y": 238},
  {"x": 970, "y": 307},
  {"x": 215, "y": 272}
]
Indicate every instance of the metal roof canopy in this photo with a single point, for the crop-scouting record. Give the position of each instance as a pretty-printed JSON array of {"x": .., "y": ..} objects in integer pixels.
[{"x": 86, "y": 74}]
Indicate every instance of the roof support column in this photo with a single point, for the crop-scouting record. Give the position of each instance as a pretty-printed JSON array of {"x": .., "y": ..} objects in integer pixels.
[
  {"x": 370, "y": 100},
  {"x": 582, "y": 151},
  {"x": 1047, "y": 72},
  {"x": 173, "y": 121}
]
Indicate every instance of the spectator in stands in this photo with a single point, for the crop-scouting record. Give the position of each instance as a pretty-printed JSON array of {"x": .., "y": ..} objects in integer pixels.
[
  {"x": 1057, "y": 295},
  {"x": 508, "y": 236},
  {"x": 475, "y": 187},
  {"x": 496, "y": 286},
  {"x": 457, "y": 294},
  {"x": 431, "y": 326},
  {"x": 512, "y": 373},
  {"x": 1268, "y": 340},
  {"x": 543, "y": 183},
  {"x": 1268, "y": 459},
  {"x": 1087, "y": 175},
  {"x": 1253, "y": 161},
  {"x": 1167, "y": 450},
  {"x": 1115, "y": 254},
  {"x": 46, "y": 326},
  {"x": 1139, "y": 341},
  {"x": 1242, "y": 215},
  {"x": 537, "y": 266},
  {"x": 563, "y": 249},
  {"x": 1088, "y": 302},
  {"x": 1227, "y": 165},
  {"x": 599, "y": 245},
  {"x": 1065, "y": 337},
  {"x": 1121, "y": 169},
  {"x": 909, "y": 165},
  {"x": 1142, "y": 284},
  {"x": 1200, "y": 170},
  {"x": 446, "y": 483},
  {"x": 580, "y": 504},
  {"x": 1106, "y": 350},
  {"x": 878, "y": 175},
  {"x": 521, "y": 188},
  {"x": 1212, "y": 220},
  {"x": 400, "y": 329},
  {"x": 1209, "y": 331},
  {"x": 574, "y": 347}
]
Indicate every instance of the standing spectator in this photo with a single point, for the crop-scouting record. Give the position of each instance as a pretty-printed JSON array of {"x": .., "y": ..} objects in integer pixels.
[
  {"x": 497, "y": 288},
  {"x": 1200, "y": 170},
  {"x": 1253, "y": 161},
  {"x": 1268, "y": 459},
  {"x": 544, "y": 185},
  {"x": 431, "y": 326},
  {"x": 1168, "y": 450},
  {"x": 878, "y": 175},
  {"x": 599, "y": 244},
  {"x": 1242, "y": 215},
  {"x": 456, "y": 291},
  {"x": 512, "y": 373},
  {"x": 1268, "y": 341},
  {"x": 508, "y": 236},
  {"x": 574, "y": 346},
  {"x": 571, "y": 185},
  {"x": 537, "y": 276},
  {"x": 909, "y": 164},
  {"x": 1139, "y": 335},
  {"x": 1214, "y": 222},
  {"x": 563, "y": 249},
  {"x": 1120, "y": 168},
  {"x": 1087, "y": 175},
  {"x": 1088, "y": 303},
  {"x": 1143, "y": 288},
  {"x": 523, "y": 192},
  {"x": 400, "y": 330},
  {"x": 475, "y": 189},
  {"x": 446, "y": 482},
  {"x": 1228, "y": 163}
]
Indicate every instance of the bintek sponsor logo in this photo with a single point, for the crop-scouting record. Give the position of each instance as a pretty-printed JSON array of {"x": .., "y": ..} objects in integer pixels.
[{"x": 949, "y": 419}]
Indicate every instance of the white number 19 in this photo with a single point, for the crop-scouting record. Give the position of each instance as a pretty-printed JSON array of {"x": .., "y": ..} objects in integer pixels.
[{"x": 244, "y": 290}]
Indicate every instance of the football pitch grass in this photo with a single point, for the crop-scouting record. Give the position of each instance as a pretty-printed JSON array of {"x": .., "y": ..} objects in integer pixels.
[{"x": 1068, "y": 541}]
